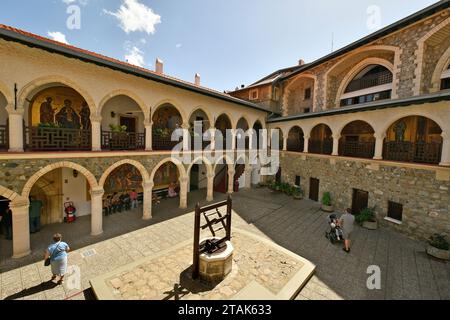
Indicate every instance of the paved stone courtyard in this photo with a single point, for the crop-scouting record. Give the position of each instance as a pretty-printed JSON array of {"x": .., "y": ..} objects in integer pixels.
[{"x": 299, "y": 226}]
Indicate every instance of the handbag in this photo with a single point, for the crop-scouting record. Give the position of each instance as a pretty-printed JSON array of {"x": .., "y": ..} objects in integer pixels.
[{"x": 47, "y": 261}]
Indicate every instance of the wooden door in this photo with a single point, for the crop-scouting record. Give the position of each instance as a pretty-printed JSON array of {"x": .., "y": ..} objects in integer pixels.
[
  {"x": 314, "y": 189},
  {"x": 360, "y": 201},
  {"x": 129, "y": 122}
]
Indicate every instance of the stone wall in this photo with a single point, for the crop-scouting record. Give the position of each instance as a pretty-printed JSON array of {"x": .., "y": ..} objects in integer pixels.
[{"x": 425, "y": 199}]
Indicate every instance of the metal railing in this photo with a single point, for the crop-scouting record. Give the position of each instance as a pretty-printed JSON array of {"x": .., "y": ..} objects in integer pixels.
[
  {"x": 407, "y": 151},
  {"x": 369, "y": 81},
  {"x": 4, "y": 140},
  {"x": 58, "y": 139},
  {"x": 123, "y": 140},
  {"x": 321, "y": 146},
  {"x": 357, "y": 149},
  {"x": 296, "y": 145}
]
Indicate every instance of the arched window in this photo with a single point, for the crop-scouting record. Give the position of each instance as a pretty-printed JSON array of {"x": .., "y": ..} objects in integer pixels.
[
  {"x": 445, "y": 79},
  {"x": 372, "y": 83}
]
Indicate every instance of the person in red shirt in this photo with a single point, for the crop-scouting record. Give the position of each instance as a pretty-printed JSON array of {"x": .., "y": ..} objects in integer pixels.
[{"x": 134, "y": 199}]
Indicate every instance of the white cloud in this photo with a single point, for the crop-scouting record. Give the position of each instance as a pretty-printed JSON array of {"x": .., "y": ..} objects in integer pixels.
[
  {"x": 135, "y": 56},
  {"x": 178, "y": 45},
  {"x": 135, "y": 16},
  {"x": 82, "y": 2},
  {"x": 143, "y": 41},
  {"x": 58, "y": 36}
]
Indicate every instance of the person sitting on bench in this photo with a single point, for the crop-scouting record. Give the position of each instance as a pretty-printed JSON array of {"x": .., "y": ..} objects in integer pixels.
[{"x": 172, "y": 193}]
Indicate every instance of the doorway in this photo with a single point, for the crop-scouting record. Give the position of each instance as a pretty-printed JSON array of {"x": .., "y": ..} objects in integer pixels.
[
  {"x": 194, "y": 179},
  {"x": 278, "y": 176},
  {"x": 360, "y": 201},
  {"x": 314, "y": 189},
  {"x": 129, "y": 122}
]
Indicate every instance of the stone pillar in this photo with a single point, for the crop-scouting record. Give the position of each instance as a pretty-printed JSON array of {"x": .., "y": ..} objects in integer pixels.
[
  {"x": 306, "y": 144},
  {"x": 445, "y": 158},
  {"x": 233, "y": 142},
  {"x": 186, "y": 137},
  {"x": 231, "y": 174},
  {"x": 285, "y": 139},
  {"x": 379, "y": 145},
  {"x": 148, "y": 199},
  {"x": 97, "y": 211},
  {"x": 21, "y": 228},
  {"x": 96, "y": 122},
  {"x": 248, "y": 176},
  {"x": 183, "y": 192},
  {"x": 15, "y": 119},
  {"x": 213, "y": 138},
  {"x": 336, "y": 138},
  {"x": 210, "y": 190},
  {"x": 148, "y": 135}
]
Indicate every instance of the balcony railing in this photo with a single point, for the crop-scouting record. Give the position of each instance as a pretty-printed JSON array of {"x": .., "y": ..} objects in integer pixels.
[
  {"x": 321, "y": 146},
  {"x": 58, "y": 139},
  {"x": 419, "y": 152},
  {"x": 4, "y": 137},
  {"x": 357, "y": 149},
  {"x": 163, "y": 142},
  {"x": 295, "y": 145},
  {"x": 369, "y": 81},
  {"x": 123, "y": 140}
]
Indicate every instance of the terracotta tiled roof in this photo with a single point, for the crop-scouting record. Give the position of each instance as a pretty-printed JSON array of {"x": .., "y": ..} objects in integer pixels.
[{"x": 122, "y": 63}]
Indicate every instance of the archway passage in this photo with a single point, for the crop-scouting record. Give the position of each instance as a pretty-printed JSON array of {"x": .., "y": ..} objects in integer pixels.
[
  {"x": 4, "y": 140},
  {"x": 258, "y": 139},
  {"x": 59, "y": 120},
  {"x": 221, "y": 178},
  {"x": 277, "y": 132},
  {"x": 199, "y": 123},
  {"x": 223, "y": 124},
  {"x": 296, "y": 140},
  {"x": 372, "y": 83},
  {"x": 6, "y": 225},
  {"x": 414, "y": 139},
  {"x": 122, "y": 124},
  {"x": 445, "y": 79},
  {"x": 167, "y": 184},
  {"x": 357, "y": 140},
  {"x": 321, "y": 141},
  {"x": 123, "y": 191},
  {"x": 242, "y": 138},
  {"x": 166, "y": 120}
]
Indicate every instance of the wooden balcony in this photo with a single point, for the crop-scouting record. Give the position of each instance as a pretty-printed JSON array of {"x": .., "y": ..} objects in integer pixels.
[
  {"x": 295, "y": 145},
  {"x": 4, "y": 140},
  {"x": 369, "y": 81},
  {"x": 418, "y": 152},
  {"x": 123, "y": 140},
  {"x": 58, "y": 139},
  {"x": 357, "y": 149},
  {"x": 321, "y": 146}
]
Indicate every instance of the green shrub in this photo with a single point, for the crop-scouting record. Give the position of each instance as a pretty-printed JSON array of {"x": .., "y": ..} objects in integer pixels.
[
  {"x": 367, "y": 214},
  {"x": 118, "y": 128},
  {"x": 439, "y": 241},
  {"x": 326, "y": 199},
  {"x": 297, "y": 191}
]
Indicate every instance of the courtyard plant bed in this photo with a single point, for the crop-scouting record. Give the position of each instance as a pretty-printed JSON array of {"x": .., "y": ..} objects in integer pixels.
[
  {"x": 297, "y": 193},
  {"x": 367, "y": 219},
  {"x": 439, "y": 247},
  {"x": 326, "y": 202}
]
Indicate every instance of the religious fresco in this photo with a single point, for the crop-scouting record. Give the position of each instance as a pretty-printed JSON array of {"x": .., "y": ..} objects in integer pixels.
[
  {"x": 166, "y": 174},
  {"x": 125, "y": 178},
  {"x": 167, "y": 118},
  {"x": 60, "y": 107},
  {"x": 415, "y": 128}
]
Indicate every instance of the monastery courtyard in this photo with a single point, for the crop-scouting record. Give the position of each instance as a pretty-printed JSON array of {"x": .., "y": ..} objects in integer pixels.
[{"x": 299, "y": 226}]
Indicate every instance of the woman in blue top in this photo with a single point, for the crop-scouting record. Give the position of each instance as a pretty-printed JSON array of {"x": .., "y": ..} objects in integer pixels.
[{"x": 57, "y": 252}]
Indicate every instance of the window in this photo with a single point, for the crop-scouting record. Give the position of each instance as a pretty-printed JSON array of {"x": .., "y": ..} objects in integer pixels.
[
  {"x": 366, "y": 98},
  {"x": 276, "y": 94},
  {"x": 298, "y": 181},
  {"x": 307, "y": 110},
  {"x": 395, "y": 211},
  {"x": 254, "y": 94},
  {"x": 308, "y": 94},
  {"x": 445, "y": 84}
]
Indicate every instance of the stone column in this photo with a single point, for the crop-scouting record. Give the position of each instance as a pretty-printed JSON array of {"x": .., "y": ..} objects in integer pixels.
[
  {"x": 210, "y": 190},
  {"x": 248, "y": 176},
  {"x": 148, "y": 135},
  {"x": 15, "y": 119},
  {"x": 306, "y": 144},
  {"x": 336, "y": 138},
  {"x": 285, "y": 139},
  {"x": 213, "y": 138},
  {"x": 96, "y": 122},
  {"x": 445, "y": 158},
  {"x": 379, "y": 145},
  {"x": 148, "y": 199},
  {"x": 186, "y": 137},
  {"x": 97, "y": 211},
  {"x": 231, "y": 174},
  {"x": 21, "y": 228},
  {"x": 233, "y": 142},
  {"x": 183, "y": 192}
]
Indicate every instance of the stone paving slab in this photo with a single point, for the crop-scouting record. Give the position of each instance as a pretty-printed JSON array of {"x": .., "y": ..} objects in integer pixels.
[{"x": 257, "y": 263}]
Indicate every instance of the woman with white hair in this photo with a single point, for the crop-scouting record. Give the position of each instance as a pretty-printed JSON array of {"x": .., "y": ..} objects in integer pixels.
[{"x": 56, "y": 256}]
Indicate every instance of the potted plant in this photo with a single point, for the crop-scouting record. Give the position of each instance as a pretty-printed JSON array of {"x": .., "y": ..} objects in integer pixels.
[
  {"x": 367, "y": 219},
  {"x": 297, "y": 193},
  {"x": 439, "y": 247},
  {"x": 118, "y": 128},
  {"x": 326, "y": 202}
]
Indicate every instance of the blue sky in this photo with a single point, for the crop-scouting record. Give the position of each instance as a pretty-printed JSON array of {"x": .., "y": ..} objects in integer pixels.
[{"x": 229, "y": 42}]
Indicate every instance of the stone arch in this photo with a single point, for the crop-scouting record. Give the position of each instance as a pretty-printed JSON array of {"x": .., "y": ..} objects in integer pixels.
[
  {"x": 204, "y": 110},
  {"x": 291, "y": 83},
  {"x": 171, "y": 102},
  {"x": 64, "y": 164},
  {"x": 295, "y": 144},
  {"x": 358, "y": 68},
  {"x": 242, "y": 118},
  {"x": 441, "y": 66},
  {"x": 199, "y": 160},
  {"x": 341, "y": 126},
  {"x": 9, "y": 194},
  {"x": 123, "y": 92},
  {"x": 391, "y": 120},
  {"x": 143, "y": 171},
  {"x": 181, "y": 168},
  {"x": 233, "y": 122},
  {"x": 34, "y": 86},
  {"x": 420, "y": 55},
  {"x": 228, "y": 161},
  {"x": 7, "y": 93},
  {"x": 396, "y": 66}
]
